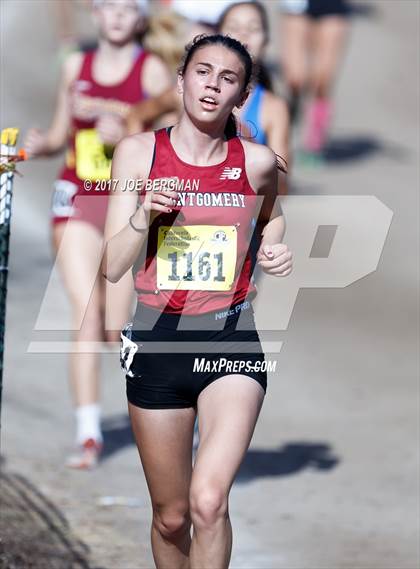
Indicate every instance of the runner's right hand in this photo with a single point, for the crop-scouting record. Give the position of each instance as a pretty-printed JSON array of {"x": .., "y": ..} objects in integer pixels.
[{"x": 156, "y": 202}]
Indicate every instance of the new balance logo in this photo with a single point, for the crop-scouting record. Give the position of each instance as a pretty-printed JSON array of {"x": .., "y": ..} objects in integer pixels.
[{"x": 230, "y": 174}]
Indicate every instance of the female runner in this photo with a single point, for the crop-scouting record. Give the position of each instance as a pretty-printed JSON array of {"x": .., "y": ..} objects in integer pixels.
[
  {"x": 189, "y": 248},
  {"x": 96, "y": 91}
]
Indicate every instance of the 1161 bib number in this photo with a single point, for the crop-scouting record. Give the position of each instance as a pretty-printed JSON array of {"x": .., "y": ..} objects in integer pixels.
[{"x": 196, "y": 257}]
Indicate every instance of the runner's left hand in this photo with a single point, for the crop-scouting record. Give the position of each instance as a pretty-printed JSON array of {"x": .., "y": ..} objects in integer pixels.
[{"x": 275, "y": 259}]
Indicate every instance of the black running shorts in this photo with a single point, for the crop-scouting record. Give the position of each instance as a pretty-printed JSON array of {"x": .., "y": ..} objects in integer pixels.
[
  {"x": 316, "y": 9},
  {"x": 177, "y": 357},
  {"x": 322, "y": 8}
]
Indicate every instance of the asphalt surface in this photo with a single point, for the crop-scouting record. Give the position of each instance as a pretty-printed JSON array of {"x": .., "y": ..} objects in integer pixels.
[{"x": 331, "y": 478}]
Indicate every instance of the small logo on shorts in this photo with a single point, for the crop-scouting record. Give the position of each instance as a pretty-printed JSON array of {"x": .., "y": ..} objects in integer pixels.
[{"x": 230, "y": 173}]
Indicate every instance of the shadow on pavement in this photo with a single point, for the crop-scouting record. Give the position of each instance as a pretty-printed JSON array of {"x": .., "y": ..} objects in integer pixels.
[
  {"x": 352, "y": 148},
  {"x": 117, "y": 435},
  {"x": 284, "y": 461}
]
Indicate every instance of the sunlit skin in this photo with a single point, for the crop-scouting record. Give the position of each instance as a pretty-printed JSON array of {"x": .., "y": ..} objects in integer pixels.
[{"x": 216, "y": 72}]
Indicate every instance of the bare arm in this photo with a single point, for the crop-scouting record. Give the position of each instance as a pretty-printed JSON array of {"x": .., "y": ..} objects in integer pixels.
[
  {"x": 132, "y": 160},
  {"x": 273, "y": 255},
  {"x": 38, "y": 143}
]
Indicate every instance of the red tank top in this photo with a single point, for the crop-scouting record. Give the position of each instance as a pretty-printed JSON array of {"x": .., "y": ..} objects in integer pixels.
[
  {"x": 197, "y": 258},
  {"x": 90, "y": 99}
]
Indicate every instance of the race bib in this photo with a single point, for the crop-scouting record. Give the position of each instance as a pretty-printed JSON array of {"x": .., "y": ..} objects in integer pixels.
[
  {"x": 196, "y": 257},
  {"x": 91, "y": 161}
]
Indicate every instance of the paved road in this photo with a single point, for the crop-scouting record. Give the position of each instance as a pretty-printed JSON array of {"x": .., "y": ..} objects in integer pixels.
[{"x": 331, "y": 477}]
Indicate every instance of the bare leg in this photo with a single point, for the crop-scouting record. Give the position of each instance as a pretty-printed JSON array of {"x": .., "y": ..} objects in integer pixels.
[
  {"x": 164, "y": 440},
  {"x": 228, "y": 410},
  {"x": 328, "y": 37},
  {"x": 79, "y": 248},
  {"x": 294, "y": 37}
]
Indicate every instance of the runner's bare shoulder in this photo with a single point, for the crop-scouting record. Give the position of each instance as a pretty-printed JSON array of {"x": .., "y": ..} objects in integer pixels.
[{"x": 260, "y": 163}]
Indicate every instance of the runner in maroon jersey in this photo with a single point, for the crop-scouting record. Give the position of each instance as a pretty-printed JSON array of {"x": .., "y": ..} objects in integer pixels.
[
  {"x": 88, "y": 158},
  {"x": 205, "y": 194},
  {"x": 95, "y": 94},
  {"x": 201, "y": 188}
]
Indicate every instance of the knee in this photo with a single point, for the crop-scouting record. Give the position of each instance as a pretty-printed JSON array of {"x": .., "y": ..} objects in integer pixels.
[
  {"x": 208, "y": 505},
  {"x": 171, "y": 523},
  {"x": 320, "y": 87},
  {"x": 296, "y": 81}
]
